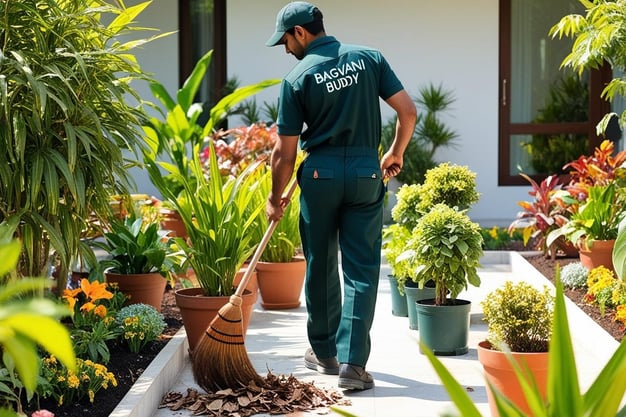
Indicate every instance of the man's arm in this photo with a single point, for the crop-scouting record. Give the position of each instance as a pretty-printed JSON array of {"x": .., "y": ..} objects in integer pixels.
[
  {"x": 392, "y": 161},
  {"x": 282, "y": 163}
]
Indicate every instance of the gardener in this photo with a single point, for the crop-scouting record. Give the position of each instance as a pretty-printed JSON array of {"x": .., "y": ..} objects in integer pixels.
[{"x": 334, "y": 91}]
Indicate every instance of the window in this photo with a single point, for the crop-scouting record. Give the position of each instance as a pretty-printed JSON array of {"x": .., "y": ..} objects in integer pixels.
[
  {"x": 547, "y": 114},
  {"x": 202, "y": 26}
]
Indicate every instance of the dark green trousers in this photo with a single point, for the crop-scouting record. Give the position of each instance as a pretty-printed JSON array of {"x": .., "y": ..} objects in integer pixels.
[{"x": 341, "y": 204}]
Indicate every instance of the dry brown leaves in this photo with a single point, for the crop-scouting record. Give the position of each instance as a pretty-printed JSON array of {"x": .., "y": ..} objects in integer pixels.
[{"x": 278, "y": 395}]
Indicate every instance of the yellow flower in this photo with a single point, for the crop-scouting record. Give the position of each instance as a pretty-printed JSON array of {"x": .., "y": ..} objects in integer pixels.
[
  {"x": 91, "y": 395},
  {"x": 73, "y": 381},
  {"x": 620, "y": 314},
  {"x": 494, "y": 232}
]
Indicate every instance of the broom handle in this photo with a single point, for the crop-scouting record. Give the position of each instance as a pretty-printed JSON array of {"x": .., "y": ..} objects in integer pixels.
[{"x": 259, "y": 250}]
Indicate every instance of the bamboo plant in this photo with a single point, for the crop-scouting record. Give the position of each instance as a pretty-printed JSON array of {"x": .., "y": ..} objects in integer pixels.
[{"x": 65, "y": 119}]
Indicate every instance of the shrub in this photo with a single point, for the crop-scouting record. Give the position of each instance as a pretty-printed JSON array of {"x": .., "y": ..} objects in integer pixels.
[
  {"x": 140, "y": 324},
  {"x": 68, "y": 387},
  {"x": 520, "y": 316},
  {"x": 574, "y": 275},
  {"x": 600, "y": 284}
]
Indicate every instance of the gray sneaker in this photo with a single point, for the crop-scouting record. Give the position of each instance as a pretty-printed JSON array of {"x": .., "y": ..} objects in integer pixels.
[
  {"x": 354, "y": 377},
  {"x": 328, "y": 366}
]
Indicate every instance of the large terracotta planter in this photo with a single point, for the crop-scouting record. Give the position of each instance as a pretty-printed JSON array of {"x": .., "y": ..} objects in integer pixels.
[
  {"x": 141, "y": 288},
  {"x": 253, "y": 284},
  {"x": 598, "y": 252},
  {"x": 280, "y": 283},
  {"x": 198, "y": 310},
  {"x": 500, "y": 373}
]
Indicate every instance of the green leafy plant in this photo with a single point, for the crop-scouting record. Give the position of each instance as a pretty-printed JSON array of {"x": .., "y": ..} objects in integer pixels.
[
  {"x": 564, "y": 397},
  {"x": 216, "y": 211},
  {"x": 446, "y": 247},
  {"x": 597, "y": 218},
  {"x": 518, "y": 316},
  {"x": 496, "y": 237},
  {"x": 449, "y": 184},
  {"x": 395, "y": 237},
  {"x": 65, "y": 118},
  {"x": 140, "y": 324},
  {"x": 137, "y": 246},
  {"x": 285, "y": 241},
  {"x": 27, "y": 321},
  {"x": 598, "y": 38}
]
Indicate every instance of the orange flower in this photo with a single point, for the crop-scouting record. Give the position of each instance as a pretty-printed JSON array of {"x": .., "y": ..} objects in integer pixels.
[
  {"x": 100, "y": 311},
  {"x": 95, "y": 290},
  {"x": 70, "y": 297},
  {"x": 88, "y": 306}
]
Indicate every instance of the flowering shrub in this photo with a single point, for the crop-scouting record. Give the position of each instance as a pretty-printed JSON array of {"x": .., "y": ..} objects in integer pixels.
[
  {"x": 140, "y": 324},
  {"x": 93, "y": 308},
  {"x": 68, "y": 387},
  {"x": 574, "y": 275},
  {"x": 496, "y": 237},
  {"x": 238, "y": 147},
  {"x": 600, "y": 285}
]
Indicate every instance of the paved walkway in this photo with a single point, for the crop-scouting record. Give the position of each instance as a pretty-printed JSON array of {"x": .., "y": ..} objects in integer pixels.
[{"x": 406, "y": 385}]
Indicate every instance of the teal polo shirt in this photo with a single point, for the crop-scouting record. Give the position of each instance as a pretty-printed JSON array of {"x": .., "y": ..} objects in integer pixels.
[{"x": 333, "y": 93}]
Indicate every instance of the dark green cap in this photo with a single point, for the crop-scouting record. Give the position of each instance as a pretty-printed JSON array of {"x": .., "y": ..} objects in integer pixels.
[{"x": 296, "y": 13}]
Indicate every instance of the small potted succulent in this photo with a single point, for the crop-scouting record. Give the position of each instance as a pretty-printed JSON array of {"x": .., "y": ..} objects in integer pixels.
[{"x": 519, "y": 321}]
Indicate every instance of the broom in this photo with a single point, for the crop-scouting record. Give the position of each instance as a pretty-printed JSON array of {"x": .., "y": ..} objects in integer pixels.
[{"x": 220, "y": 359}]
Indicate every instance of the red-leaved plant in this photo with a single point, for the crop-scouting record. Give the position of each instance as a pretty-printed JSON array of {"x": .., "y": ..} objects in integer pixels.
[
  {"x": 238, "y": 147},
  {"x": 544, "y": 213}
]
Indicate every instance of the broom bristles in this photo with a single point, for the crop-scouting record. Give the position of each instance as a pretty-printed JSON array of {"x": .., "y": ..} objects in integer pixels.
[{"x": 220, "y": 360}]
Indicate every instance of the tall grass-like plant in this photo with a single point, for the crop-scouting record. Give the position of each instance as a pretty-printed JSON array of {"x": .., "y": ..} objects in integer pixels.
[
  {"x": 285, "y": 241},
  {"x": 65, "y": 119},
  {"x": 218, "y": 211}
]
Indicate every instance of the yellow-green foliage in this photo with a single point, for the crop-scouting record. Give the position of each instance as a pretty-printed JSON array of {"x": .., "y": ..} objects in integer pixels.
[
  {"x": 452, "y": 185},
  {"x": 520, "y": 316}
]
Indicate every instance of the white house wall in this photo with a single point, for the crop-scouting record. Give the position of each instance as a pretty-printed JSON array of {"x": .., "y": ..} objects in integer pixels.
[{"x": 454, "y": 43}]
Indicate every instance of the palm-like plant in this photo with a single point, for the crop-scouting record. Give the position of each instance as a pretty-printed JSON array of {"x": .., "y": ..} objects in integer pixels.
[{"x": 65, "y": 120}]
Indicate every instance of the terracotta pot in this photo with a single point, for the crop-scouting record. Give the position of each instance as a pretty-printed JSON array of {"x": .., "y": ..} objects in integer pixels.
[
  {"x": 280, "y": 283},
  {"x": 253, "y": 284},
  {"x": 171, "y": 220},
  {"x": 198, "y": 310},
  {"x": 599, "y": 252},
  {"x": 500, "y": 373},
  {"x": 141, "y": 288}
]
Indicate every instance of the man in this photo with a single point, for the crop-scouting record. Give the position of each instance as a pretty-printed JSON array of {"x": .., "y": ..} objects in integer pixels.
[{"x": 333, "y": 92}]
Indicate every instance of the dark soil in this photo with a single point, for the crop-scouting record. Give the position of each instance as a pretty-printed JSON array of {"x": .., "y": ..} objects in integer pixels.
[
  {"x": 548, "y": 268},
  {"x": 127, "y": 367}
]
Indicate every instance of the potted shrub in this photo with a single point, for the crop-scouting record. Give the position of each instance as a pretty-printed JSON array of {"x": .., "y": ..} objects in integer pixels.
[
  {"x": 446, "y": 247},
  {"x": 519, "y": 320},
  {"x": 281, "y": 269},
  {"x": 217, "y": 211},
  {"x": 139, "y": 260},
  {"x": 449, "y": 184},
  {"x": 564, "y": 396}
]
